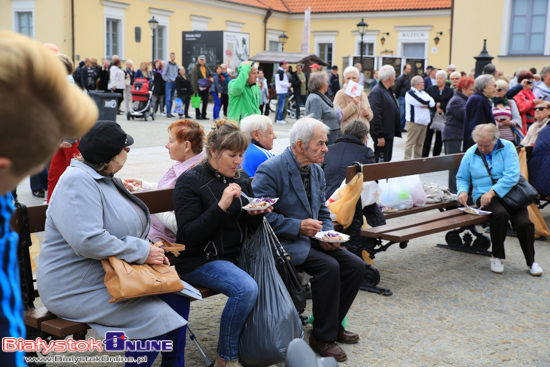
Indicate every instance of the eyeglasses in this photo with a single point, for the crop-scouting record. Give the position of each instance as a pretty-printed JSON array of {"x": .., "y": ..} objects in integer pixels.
[
  {"x": 127, "y": 149},
  {"x": 540, "y": 108},
  {"x": 529, "y": 82}
]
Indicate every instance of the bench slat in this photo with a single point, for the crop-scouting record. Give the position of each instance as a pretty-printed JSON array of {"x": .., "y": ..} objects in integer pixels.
[
  {"x": 433, "y": 227},
  {"x": 62, "y": 327},
  {"x": 420, "y": 209},
  {"x": 413, "y": 222},
  {"x": 34, "y": 318}
]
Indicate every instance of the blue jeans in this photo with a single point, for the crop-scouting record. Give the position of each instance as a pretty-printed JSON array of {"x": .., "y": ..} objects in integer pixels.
[
  {"x": 281, "y": 106},
  {"x": 170, "y": 91},
  {"x": 402, "y": 111},
  {"x": 227, "y": 278},
  {"x": 217, "y": 105},
  {"x": 40, "y": 181}
]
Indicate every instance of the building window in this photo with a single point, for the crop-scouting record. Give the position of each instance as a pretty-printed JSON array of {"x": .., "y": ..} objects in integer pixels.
[
  {"x": 159, "y": 43},
  {"x": 368, "y": 48},
  {"x": 414, "y": 50},
  {"x": 24, "y": 23},
  {"x": 528, "y": 26},
  {"x": 325, "y": 53},
  {"x": 112, "y": 37},
  {"x": 274, "y": 46}
]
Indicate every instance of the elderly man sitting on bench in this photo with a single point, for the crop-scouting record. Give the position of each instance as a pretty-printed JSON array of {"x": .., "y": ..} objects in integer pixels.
[{"x": 300, "y": 213}]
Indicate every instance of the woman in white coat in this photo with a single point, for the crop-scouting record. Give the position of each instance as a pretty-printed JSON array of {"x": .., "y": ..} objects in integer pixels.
[{"x": 117, "y": 79}]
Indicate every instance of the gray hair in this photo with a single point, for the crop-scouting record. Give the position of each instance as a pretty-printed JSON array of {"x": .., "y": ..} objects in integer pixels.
[
  {"x": 356, "y": 128},
  {"x": 303, "y": 130},
  {"x": 451, "y": 67},
  {"x": 129, "y": 62},
  {"x": 416, "y": 80},
  {"x": 300, "y": 65},
  {"x": 316, "y": 81},
  {"x": 255, "y": 122},
  {"x": 482, "y": 82},
  {"x": 545, "y": 70},
  {"x": 351, "y": 69},
  {"x": 386, "y": 72},
  {"x": 486, "y": 130},
  {"x": 455, "y": 74},
  {"x": 441, "y": 72}
]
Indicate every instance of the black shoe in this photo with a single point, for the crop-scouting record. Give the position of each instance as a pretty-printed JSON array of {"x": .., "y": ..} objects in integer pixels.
[
  {"x": 205, "y": 117},
  {"x": 198, "y": 118},
  {"x": 187, "y": 117},
  {"x": 169, "y": 115},
  {"x": 39, "y": 193}
]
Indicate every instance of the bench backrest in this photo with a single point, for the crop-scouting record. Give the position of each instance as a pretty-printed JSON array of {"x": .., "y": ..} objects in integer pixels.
[{"x": 417, "y": 166}]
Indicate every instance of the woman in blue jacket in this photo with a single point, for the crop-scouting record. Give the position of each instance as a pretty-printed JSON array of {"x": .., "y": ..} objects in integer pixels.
[{"x": 502, "y": 161}]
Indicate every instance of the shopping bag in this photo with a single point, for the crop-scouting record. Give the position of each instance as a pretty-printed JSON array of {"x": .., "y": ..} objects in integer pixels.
[
  {"x": 438, "y": 122},
  {"x": 414, "y": 185},
  {"x": 196, "y": 101},
  {"x": 344, "y": 207},
  {"x": 179, "y": 107},
  {"x": 541, "y": 228},
  {"x": 274, "y": 321},
  {"x": 395, "y": 195}
]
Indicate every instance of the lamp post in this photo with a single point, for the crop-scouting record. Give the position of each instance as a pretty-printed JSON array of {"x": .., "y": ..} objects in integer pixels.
[
  {"x": 282, "y": 39},
  {"x": 153, "y": 24},
  {"x": 362, "y": 29}
]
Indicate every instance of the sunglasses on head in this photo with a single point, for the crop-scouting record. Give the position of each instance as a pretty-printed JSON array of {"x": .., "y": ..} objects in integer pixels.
[{"x": 540, "y": 108}]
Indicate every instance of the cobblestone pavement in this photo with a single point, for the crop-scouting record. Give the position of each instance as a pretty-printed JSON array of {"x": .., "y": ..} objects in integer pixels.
[{"x": 447, "y": 308}]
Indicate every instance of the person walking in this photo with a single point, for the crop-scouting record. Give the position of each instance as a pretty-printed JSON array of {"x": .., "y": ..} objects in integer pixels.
[
  {"x": 169, "y": 75},
  {"x": 183, "y": 88},
  {"x": 281, "y": 87},
  {"x": 200, "y": 76}
]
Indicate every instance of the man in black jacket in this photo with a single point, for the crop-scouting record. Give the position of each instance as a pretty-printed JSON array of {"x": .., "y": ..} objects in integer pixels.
[
  {"x": 385, "y": 124},
  {"x": 333, "y": 82},
  {"x": 402, "y": 86}
]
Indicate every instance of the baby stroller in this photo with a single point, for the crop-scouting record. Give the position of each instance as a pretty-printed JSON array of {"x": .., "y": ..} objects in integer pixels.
[{"x": 142, "y": 93}]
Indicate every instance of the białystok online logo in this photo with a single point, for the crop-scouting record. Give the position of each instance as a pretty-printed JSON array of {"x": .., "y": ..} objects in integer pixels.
[{"x": 115, "y": 341}]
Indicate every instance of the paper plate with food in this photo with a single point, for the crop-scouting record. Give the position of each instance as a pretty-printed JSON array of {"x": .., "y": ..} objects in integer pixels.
[
  {"x": 332, "y": 237},
  {"x": 260, "y": 204},
  {"x": 475, "y": 211}
]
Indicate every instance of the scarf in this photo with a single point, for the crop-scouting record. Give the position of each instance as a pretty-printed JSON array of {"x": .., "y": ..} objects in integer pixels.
[
  {"x": 500, "y": 100},
  {"x": 324, "y": 98}
]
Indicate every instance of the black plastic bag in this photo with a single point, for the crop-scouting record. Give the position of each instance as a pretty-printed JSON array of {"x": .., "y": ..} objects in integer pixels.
[{"x": 273, "y": 322}]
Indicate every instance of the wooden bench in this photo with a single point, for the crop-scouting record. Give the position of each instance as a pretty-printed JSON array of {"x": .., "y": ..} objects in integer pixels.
[{"x": 39, "y": 321}]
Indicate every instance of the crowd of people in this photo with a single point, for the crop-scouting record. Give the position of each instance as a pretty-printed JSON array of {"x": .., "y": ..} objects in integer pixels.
[{"x": 211, "y": 174}]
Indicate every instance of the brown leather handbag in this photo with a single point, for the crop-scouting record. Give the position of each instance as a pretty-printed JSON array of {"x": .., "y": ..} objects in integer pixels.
[{"x": 126, "y": 281}]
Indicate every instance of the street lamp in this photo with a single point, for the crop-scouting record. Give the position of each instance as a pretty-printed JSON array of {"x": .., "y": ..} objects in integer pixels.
[
  {"x": 153, "y": 24},
  {"x": 383, "y": 39},
  {"x": 282, "y": 39},
  {"x": 362, "y": 29},
  {"x": 436, "y": 39}
]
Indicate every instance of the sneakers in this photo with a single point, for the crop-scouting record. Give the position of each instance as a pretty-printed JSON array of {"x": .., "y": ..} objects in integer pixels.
[
  {"x": 282, "y": 122},
  {"x": 39, "y": 193},
  {"x": 535, "y": 270},
  {"x": 163, "y": 114},
  {"x": 496, "y": 265}
]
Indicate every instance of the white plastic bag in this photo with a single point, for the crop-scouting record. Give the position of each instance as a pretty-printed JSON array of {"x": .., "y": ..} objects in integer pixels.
[
  {"x": 396, "y": 194},
  {"x": 370, "y": 194},
  {"x": 416, "y": 190}
]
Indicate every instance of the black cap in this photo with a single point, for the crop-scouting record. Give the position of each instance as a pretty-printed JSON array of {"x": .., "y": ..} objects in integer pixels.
[
  {"x": 103, "y": 142},
  {"x": 334, "y": 67}
]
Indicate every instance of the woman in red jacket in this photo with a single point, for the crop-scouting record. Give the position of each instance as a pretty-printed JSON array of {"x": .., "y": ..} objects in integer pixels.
[{"x": 526, "y": 101}]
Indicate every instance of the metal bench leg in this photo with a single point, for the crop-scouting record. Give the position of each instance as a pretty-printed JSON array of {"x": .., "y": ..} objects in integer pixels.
[
  {"x": 466, "y": 243},
  {"x": 207, "y": 361},
  {"x": 370, "y": 281}
]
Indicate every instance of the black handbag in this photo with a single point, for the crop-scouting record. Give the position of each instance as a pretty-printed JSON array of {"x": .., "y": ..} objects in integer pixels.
[
  {"x": 288, "y": 274},
  {"x": 520, "y": 196}
]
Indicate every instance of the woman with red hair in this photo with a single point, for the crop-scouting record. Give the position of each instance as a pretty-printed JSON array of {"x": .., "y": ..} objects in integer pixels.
[
  {"x": 454, "y": 122},
  {"x": 526, "y": 101}
]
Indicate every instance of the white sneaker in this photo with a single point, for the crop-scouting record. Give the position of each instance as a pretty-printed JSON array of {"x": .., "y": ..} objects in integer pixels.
[
  {"x": 163, "y": 114},
  {"x": 535, "y": 270},
  {"x": 496, "y": 265},
  {"x": 282, "y": 122}
]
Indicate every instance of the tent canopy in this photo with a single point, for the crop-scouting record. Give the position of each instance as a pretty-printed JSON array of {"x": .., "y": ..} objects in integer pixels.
[{"x": 289, "y": 57}]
